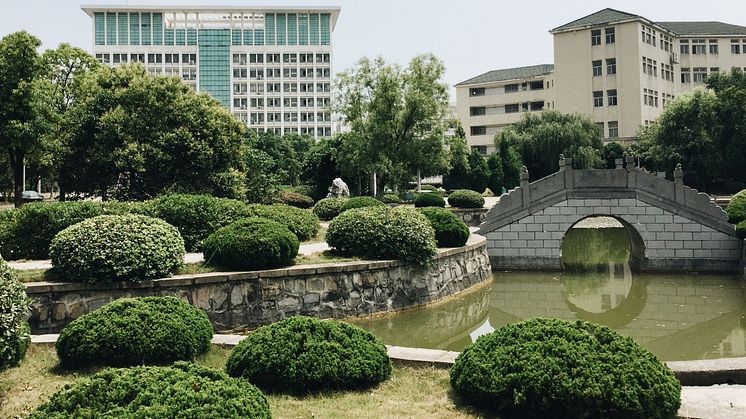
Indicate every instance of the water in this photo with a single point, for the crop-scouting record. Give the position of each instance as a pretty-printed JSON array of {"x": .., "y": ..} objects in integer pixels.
[{"x": 677, "y": 317}]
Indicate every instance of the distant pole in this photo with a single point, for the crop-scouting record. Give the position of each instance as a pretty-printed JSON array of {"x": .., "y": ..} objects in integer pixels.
[
  {"x": 24, "y": 175},
  {"x": 419, "y": 180}
]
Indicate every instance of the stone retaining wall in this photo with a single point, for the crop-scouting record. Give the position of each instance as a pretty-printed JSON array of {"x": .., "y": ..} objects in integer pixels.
[
  {"x": 471, "y": 216},
  {"x": 237, "y": 300}
]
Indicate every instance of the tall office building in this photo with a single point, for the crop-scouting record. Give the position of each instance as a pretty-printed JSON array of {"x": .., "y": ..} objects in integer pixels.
[{"x": 271, "y": 66}]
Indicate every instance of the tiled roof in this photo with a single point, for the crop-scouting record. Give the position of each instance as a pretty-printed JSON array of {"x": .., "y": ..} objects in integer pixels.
[
  {"x": 510, "y": 74},
  {"x": 703, "y": 28},
  {"x": 602, "y": 16}
]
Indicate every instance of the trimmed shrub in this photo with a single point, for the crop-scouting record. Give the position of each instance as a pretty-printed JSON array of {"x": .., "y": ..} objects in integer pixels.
[
  {"x": 304, "y": 223},
  {"x": 450, "y": 231},
  {"x": 183, "y": 390},
  {"x": 117, "y": 248},
  {"x": 305, "y": 354},
  {"x": 135, "y": 331},
  {"x": 736, "y": 209},
  {"x": 383, "y": 233},
  {"x": 427, "y": 187},
  {"x": 196, "y": 216},
  {"x": 429, "y": 199},
  {"x": 361, "y": 202},
  {"x": 295, "y": 199},
  {"x": 391, "y": 198},
  {"x": 465, "y": 198},
  {"x": 328, "y": 208},
  {"x": 488, "y": 192},
  {"x": 14, "y": 328},
  {"x": 556, "y": 368},
  {"x": 251, "y": 243},
  {"x": 741, "y": 229}
]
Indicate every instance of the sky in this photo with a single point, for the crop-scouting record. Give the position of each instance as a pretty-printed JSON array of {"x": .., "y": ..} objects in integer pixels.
[{"x": 470, "y": 36}]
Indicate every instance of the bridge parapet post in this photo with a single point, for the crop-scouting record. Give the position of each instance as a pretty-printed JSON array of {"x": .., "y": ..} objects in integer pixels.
[
  {"x": 678, "y": 181},
  {"x": 631, "y": 172},
  {"x": 619, "y": 163},
  {"x": 525, "y": 188},
  {"x": 565, "y": 165}
]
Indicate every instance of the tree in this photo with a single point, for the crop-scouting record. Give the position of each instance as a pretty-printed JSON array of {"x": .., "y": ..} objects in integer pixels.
[
  {"x": 20, "y": 122},
  {"x": 511, "y": 164},
  {"x": 479, "y": 172},
  {"x": 458, "y": 151},
  {"x": 611, "y": 152},
  {"x": 497, "y": 177},
  {"x": 540, "y": 139},
  {"x": 320, "y": 168},
  {"x": 288, "y": 153}
]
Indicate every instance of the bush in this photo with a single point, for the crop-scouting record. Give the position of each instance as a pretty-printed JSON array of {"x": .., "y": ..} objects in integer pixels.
[
  {"x": 736, "y": 209},
  {"x": 117, "y": 248},
  {"x": 465, "y": 198},
  {"x": 361, "y": 202},
  {"x": 302, "y": 354},
  {"x": 251, "y": 243},
  {"x": 556, "y": 368},
  {"x": 450, "y": 231},
  {"x": 488, "y": 192},
  {"x": 383, "y": 233},
  {"x": 134, "y": 331},
  {"x": 429, "y": 199},
  {"x": 429, "y": 188},
  {"x": 183, "y": 390},
  {"x": 303, "y": 223},
  {"x": 328, "y": 208},
  {"x": 196, "y": 216},
  {"x": 741, "y": 230},
  {"x": 296, "y": 200},
  {"x": 14, "y": 328},
  {"x": 391, "y": 198}
]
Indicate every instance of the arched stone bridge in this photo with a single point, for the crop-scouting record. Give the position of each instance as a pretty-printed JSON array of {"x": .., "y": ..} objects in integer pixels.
[{"x": 671, "y": 226}]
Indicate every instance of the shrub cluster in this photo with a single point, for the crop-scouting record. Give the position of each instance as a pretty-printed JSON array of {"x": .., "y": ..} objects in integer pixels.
[
  {"x": 107, "y": 248},
  {"x": 295, "y": 199},
  {"x": 465, "y": 198},
  {"x": 303, "y": 223},
  {"x": 251, "y": 243},
  {"x": 14, "y": 328},
  {"x": 556, "y": 368},
  {"x": 134, "y": 331},
  {"x": 391, "y": 198},
  {"x": 736, "y": 209},
  {"x": 305, "y": 354},
  {"x": 183, "y": 390},
  {"x": 328, "y": 208},
  {"x": 383, "y": 233},
  {"x": 429, "y": 199},
  {"x": 450, "y": 231},
  {"x": 741, "y": 229},
  {"x": 196, "y": 216},
  {"x": 361, "y": 202}
]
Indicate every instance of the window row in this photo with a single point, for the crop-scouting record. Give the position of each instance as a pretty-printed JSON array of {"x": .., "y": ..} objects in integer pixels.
[
  {"x": 697, "y": 74},
  {"x": 736, "y": 47},
  {"x": 610, "y": 36},
  {"x": 259, "y": 117},
  {"x": 152, "y": 58},
  {"x": 274, "y": 72},
  {"x": 650, "y": 97},
  {"x": 320, "y": 131},
  {"x": 303, "y": 58},
  {"x": 700, "y": 47},
  {"x": 611, "y": 98},
  {"x": 597, "y": 67},
  {"x": 242, "y": 88},
  {"x": 648, "y": 35},
  {"x": 275, "y": 102},
  {"x": 649, "y": 67},
  {"x": 613, "y": 128}
]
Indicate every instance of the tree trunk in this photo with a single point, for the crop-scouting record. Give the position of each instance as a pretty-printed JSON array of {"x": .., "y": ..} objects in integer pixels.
[{"x": 16, "y": 158}]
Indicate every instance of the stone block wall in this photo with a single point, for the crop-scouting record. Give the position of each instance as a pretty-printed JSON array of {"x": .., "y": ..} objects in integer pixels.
[
  {"x": 239, "y": 300},
  {"x": 473, "y": 217}
]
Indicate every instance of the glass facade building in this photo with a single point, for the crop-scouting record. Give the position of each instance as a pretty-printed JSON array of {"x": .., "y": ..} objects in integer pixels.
[{"x": 271, "y": 66}]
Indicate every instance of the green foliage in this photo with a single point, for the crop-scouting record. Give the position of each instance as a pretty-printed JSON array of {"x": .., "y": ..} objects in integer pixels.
[
  {"x": 305, "y": 354},
  {"x": 429, "y": 199},
  {"x": 250, "y": 244},
  {"x": 296, "y": 200},
  {"x": 497, "y": 177},
  {"x": 540, "y": 139},
  {"x": 117, "y": 248},
  {"x": 383, "y": 233},
  {"x": 458, "y": 174},
  {"x": 288, "y": 154},
  {"x": 741, "y": 229},
  {"x": 14, "y": 328},
  {"x": 450, "y": 231},
  {"x": 479, "y": 171},
  {"x": 183, "y": 390},
  {"x": 736, "y": 209},
  {"x": 320, "y": 167},
  {"x": 361, "y": 202},
  {"x": 556, "y": 368},
  {"x": 302, "y": 222},
  {"x": 391, "y": 198},
  {"x": 328, "y": 208},
  {"x": 261, "y": 182},
  {"x": 465, "y": 198},
  {"x": 135, "y": 331},
  {"x": 611, "y": 152}
]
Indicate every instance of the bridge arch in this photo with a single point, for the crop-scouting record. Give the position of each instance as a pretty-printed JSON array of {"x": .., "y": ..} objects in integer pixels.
[
  {"x": 636, "y": 242},
  {"x": 679, "y": 228}
]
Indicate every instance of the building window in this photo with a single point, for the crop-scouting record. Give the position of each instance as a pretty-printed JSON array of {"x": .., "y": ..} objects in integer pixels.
[
  {"x": 512, "y": 108},
  {"x": 610, "y": 38},
  {"x": 611, "y": 66},
  {"x": 684, "y": 47},
  {"x": 700, "y": 74},
  {"x": 596, "y": 65},
  {"x": 713, "y": 46},
  {"x": 735, "y": 48},
  {"x": 613, "y": 129},
  {"x": 686, "y": 76},
  {"x": 596, "y": 37},
  {"x": 477, "y": 110},
  {"x": 537, "y": 106},
  {"x": 714, "y": 70},
  {"x": 611, "y": 95},
  {"x": 479, "y": 130},
  {"x": 648, "y": 35},
  {"x": 598, "y": 99},
  {"x": 482, "y": 149},
  {"x": 699, "y": 47},
  {"x": 600, "y": 128},
  {"x": 510, "y": 88},
  {"x": 476, "y": 91}
]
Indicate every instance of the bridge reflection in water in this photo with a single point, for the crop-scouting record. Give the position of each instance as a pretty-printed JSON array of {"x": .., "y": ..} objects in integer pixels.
[{"x": 677, "y": 317}]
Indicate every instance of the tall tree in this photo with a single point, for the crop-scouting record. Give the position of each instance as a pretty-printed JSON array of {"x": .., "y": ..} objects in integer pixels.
[
  {"x": 479, "y": 172},
  {"x": 321, "y": 165},
  {"x": 458, "y": 174}
]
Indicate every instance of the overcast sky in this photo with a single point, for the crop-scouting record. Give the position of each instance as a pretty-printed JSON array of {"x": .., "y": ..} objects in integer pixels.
[{"x": 470, "y": 36}]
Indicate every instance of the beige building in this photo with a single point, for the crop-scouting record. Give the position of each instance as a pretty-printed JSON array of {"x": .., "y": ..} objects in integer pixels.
[{"x": 621, "y": 69}]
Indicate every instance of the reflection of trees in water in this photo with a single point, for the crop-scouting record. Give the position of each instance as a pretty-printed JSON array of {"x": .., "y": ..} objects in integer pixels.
[{"x": 592, "y": 249}]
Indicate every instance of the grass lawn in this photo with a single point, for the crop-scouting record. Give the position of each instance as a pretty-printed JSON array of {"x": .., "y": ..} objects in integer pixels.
[{"x": 412, "y": 392}]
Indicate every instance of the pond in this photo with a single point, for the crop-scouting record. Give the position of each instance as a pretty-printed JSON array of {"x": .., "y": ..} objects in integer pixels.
[{"x": 677, "y": 317}]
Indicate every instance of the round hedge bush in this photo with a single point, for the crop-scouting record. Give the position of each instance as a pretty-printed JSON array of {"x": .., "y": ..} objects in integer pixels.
[
  {"x": 117, "y": 248},
  {"x": 305, "y": 354},
  {"x": 429, "y": 199},
  {"x": 361, "y": 202},
  {"x": 555, "y": 368},
  {"x": 391, "y": 198},
  {"x": 251, "y": 243},
  {"x": 741, "y": 229},
  {"x": 465, "y": 198},
  {"x": 196, "y": 216},
  {"x": 295, "y": 199},
  {"x": 328, "y": 208},
  {"x": 736, "y": 209},
  {"x": 302, "y": 222},
  {"x": 383, "y": 233},
  {"x": 14, "y": 328},
  {"x": 183, "y": 390},
  {"x": 450, "y": 231},
  {"x": 135, "y": 331}
]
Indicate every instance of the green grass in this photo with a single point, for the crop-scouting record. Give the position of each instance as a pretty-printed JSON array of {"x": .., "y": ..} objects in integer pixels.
[{"x": 411, "y": 392}]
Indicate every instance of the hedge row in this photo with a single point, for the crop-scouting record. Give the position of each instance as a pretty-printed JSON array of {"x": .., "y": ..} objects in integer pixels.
[{"x": 14, "y": 327}]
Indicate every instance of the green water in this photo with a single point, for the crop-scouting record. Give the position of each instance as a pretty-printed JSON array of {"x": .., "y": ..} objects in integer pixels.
[{"x": 677, "y": 317}]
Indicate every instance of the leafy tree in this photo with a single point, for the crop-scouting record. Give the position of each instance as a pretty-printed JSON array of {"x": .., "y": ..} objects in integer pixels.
[
  {"x": 321, "y": 165},
  {"x": 511, "y": 164},
  {"x": 540, "y": 139},
  {"x": 458, "y": 175},
  {"x": 497, "y": 177},
  {"x": 288, "y": 152},
  {"x": 479, "y": 172},
  {"x": 261, "y": 179},
  {"x": 611, "y": 152}
]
